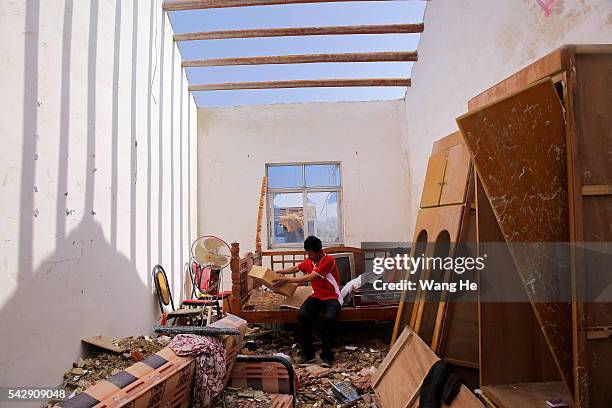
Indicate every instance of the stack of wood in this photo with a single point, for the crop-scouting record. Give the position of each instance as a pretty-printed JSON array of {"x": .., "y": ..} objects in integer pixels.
[{"x": 537, "y": 171}]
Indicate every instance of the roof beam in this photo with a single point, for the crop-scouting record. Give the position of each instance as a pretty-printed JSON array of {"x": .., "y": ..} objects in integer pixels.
[
  {"x": 301, "y": 31},
  {"x": 208, "y": 4},
  {"x": 310, "y": 83},
  {"x": 305, "y": 59}
]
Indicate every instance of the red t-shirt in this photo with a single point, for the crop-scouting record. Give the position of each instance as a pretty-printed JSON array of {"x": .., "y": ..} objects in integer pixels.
[{"x": 327, "y": 285}]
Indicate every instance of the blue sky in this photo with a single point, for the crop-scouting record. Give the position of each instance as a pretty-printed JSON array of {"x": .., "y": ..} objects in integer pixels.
[{"x": 298, "y": 15}]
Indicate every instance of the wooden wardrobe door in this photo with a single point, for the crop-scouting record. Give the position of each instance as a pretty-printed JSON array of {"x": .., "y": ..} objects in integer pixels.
[
  {"x": 433, "y": 180},
  {"x": 455, "y": 175},
  {"x": 518, "y": 147}
]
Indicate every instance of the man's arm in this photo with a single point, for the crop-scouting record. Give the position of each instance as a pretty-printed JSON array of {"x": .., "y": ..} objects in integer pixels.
[
  {"x": 299, "y": 279},
  {"x": 291, "y": 269}
]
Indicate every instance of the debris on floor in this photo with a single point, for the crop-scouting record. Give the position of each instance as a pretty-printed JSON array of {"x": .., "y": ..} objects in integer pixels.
[
  {"x": 85, "y": 372},
  {"x": 353, "y": 367}
]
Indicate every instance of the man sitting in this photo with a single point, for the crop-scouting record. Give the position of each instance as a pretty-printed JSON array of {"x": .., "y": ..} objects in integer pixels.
[{"x": 319, "y": 269}]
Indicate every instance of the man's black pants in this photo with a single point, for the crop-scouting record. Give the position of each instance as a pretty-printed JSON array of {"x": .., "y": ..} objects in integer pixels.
[{"x": 308, "y": 316}]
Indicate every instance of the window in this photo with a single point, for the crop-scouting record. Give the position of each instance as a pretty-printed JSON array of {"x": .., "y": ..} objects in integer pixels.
[{"x": 294, "y": 187}]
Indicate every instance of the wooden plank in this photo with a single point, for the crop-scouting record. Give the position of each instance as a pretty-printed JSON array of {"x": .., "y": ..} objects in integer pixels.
[
  {"x": 527, "y": 394},
  {"x": 512, "y": 347},
  {"x": 260, "y": 211},
  {"x": 105, "y": 342},
  {"x": 406, "y": 304},
  {"x": 434, "y": 179},
  {"x": 304, "y": 59},
  {"x": 455, "y": 175},
  {"x": 301, "y": 31},
  {"x": 597, "y": 189},
  {"x": 398, "y": 380},
  {"x": 209, "y": 4},
  {"x": 589, "y": 117},
  {"x": 518, "y": 146},
  {"x": 549, "y": 65},
  {"x": 436, "y": 221},
  {"x": 308, "y": 83},
  {"x": 459, "y": 334},
  {"x": 378, "y": 313},
  {"x": 447, "y": 142}
]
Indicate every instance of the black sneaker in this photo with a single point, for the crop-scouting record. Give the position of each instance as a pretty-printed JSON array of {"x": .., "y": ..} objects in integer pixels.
[{"x": 306, "y": 360}]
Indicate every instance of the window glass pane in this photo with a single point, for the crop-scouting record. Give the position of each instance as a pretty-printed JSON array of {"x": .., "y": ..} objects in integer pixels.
[
  {"x": 323, "y": 216},
  {"x": 322, "y": 175},
  {"x": 284, "y": 176},
  {"x": 288, "y": 222}
]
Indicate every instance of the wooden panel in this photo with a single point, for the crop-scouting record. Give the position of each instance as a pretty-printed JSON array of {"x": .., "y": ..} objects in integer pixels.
[
  {"x": 455, "y": 175},
  {"x": 105, "y": 342},
  {"x": 378, "y": 313},
  {"x": 434, "y": 179},
  {"x": 438, "y": 219},
  {"x": 435, "y": 221},
  {"x": 447, "y": 142},
  {"x": 549, "y": 65},
  {"x": 398, "y": 380},
  {"x": 518, "y": 147},
  {"x": 527, "y": 394},
  {"x": 459, "y": 335},
  {"x": 590, "y": 153},
  {"x": 512, "y": 346}
]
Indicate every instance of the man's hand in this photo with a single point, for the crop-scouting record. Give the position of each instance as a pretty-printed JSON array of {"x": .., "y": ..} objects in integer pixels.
[{"x": 279, "y": 282}]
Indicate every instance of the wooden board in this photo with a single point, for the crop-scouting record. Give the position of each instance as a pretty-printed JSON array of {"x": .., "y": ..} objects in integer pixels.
[
  {"x": 549, "y": 65},
  {"x": 105, "y": 342},
  {"x": 434, "y": 179},
  {"x": 518, "y": 147},
  {"x": 447, "y": 142},
  {"x": 459, "y": 334},
  {"x": 455, "y": 175},
  {"x": 511, "y": 345},
  {"x": 527, "y": 394},
  {"x": 406, "y": 304},
  {"x": 398, "y": 380},
  {"x": 590, "y": 163}
]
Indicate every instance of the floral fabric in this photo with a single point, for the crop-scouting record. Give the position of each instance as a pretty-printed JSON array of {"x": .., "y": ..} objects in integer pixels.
[{"x": 210, "y": 365}]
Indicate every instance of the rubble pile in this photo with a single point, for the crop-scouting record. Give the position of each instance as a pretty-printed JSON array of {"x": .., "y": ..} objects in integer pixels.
[
  {"x": 360, "y": 350},
  {"x": 85, "y": 372}
]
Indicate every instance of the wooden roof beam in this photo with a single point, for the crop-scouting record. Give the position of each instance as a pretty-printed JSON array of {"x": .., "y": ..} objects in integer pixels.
[
  {"x": 301, "y": 31},
  {"x": 176, "y": 5},
  {"x": 305, "y": 59},
  {"x": 310, "y": 83}
]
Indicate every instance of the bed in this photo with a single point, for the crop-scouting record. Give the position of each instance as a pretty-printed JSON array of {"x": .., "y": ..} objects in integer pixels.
[{"x": 258, "y": 306}]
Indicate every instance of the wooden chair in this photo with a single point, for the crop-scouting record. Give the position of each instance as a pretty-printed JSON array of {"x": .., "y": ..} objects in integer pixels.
[{"x": 164, "y": 297}]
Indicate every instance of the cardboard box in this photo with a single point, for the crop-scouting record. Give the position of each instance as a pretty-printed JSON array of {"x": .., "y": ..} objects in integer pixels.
[{"x": 265, "y": 276}]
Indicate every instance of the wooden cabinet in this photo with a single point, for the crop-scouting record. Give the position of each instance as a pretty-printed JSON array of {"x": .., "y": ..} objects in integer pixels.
[
  {"x": 541, "y": 141},
  {"x": 447, "y": 173}
]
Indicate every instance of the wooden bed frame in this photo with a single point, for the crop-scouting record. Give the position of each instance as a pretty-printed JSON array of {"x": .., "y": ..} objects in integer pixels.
[{"x": 242, "y": 288}]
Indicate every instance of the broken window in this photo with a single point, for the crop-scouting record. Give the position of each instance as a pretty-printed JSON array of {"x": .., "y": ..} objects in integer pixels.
[{"x": 304, "y": 199}]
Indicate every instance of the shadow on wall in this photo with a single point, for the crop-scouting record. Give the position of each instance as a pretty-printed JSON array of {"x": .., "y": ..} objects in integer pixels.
[
  {"x": 91, "y": 290},
  {"x": 85, "y": 287}
]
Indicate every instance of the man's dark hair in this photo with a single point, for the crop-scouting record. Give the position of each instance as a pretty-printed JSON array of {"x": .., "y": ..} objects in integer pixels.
[{"x": 313, "y": 244}]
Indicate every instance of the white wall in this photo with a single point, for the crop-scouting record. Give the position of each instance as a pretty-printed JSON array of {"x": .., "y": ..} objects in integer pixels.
[
  {"x": 98, "y": 158},
  {"x": 236, "y": 143},
  {"x": 468, "y": 46}
]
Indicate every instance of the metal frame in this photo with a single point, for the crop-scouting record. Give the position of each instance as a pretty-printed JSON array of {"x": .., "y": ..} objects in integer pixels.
[
  {"x": 304, "y": 191},
  {"x": 274, "y": 359}
]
